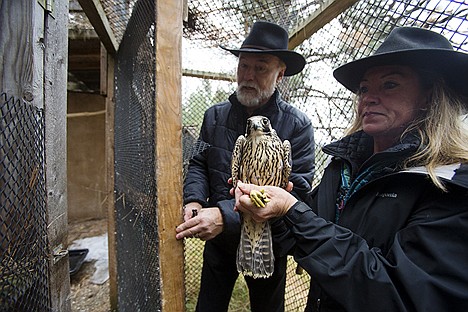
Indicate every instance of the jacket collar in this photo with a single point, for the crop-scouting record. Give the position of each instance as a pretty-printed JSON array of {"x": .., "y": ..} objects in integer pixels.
[
  {"x": 357, "y": 148},
  {"x": 455, "y": 173}
]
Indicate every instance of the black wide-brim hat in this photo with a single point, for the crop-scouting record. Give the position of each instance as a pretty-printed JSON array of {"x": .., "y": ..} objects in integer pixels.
[
  {"x": 270, "y": 38},
  {"x": 415, "y": 47}
]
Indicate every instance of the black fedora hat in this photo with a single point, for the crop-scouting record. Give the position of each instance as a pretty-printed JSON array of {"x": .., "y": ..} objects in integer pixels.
[
  {"x": 270, "y": 38},
  {"x": 412, "y": 46}
]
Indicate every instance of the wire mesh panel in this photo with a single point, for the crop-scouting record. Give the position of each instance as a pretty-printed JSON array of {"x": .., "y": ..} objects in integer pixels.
[
  {"x": 24, "y": 282},
  {"x": 118, "y": 13},
  {"x": 138, "y": 271},
  {"x": 353, "y": 34}
]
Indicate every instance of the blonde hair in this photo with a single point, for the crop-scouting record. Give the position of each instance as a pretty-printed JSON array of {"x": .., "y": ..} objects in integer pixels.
[{"x": 443, "y": 133}]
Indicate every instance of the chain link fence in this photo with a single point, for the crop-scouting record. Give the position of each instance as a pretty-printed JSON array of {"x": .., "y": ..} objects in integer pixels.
[
  {"x": 24, "y": 282},
  {"x": 209, "y": 77},
  {"x": 353, "y": 34}
]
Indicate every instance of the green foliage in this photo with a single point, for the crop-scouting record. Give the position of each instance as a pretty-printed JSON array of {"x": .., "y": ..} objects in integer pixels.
[
  {"x": 193, "y": 266},
  {"x": 297, "y": 286},
  {"x": 202, "y": 98}
]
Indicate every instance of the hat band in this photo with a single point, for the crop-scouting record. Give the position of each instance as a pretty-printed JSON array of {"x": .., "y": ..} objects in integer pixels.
[{"x": 255, "y": 47}]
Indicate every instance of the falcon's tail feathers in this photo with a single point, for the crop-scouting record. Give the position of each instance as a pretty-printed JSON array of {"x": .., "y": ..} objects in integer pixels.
[{"x": 255, "y": 253}]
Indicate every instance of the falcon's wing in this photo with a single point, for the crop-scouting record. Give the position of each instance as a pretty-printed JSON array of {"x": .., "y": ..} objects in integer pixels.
[
  {"x": 237, "y": 160},
  {"x": 287, "y": 163}
]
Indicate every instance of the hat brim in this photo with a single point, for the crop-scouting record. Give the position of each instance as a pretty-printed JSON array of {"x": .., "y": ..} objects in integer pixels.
[
  {"x": 295, "y": 62},
  {"x": 452, "y": 65}
]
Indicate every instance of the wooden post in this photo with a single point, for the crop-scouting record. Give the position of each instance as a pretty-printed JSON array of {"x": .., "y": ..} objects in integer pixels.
[
  {"x": 169, "y": 151},
  {"x": 54, "y": 42},
  {"x": 111, "y": 218}
]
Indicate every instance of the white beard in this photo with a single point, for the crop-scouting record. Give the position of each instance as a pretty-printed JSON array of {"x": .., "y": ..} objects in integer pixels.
[{"x": 253, "y": 99}]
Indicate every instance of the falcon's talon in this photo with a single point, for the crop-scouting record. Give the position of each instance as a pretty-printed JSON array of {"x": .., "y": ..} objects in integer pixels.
[{"x": 259, "y": 198}]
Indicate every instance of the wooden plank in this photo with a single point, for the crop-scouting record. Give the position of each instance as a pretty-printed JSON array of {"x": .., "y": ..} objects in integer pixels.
[
  {"x": 111, "y": 217},
  {"x": 208, "y": 75},
  {"x": 169, "y": 151},
  {"x": 53, "y": 84},
  {"x": 103, "y": 78},
  {"x": 83, "y": 45},
  {"x": 16, "y": 49},
  {"x": 327, "y": 11},
  {"x": 98, "y": 18},
  {"x": 84, "y": 62}
]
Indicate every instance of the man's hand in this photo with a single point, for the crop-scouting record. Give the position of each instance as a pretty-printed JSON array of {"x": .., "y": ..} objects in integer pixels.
[
  {"x": 191, "y": 210},
  {"x": 206, "y": 225}
]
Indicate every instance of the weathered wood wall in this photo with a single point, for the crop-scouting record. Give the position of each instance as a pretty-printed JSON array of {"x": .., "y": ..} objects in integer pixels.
[{"x": 33, "y": 52}]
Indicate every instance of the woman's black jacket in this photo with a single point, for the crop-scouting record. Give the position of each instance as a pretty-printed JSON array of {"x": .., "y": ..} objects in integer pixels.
[{"x": 399, "y": 243}]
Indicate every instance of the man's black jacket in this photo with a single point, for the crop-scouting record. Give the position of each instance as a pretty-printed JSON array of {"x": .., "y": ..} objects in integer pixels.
[{"x": 208, "y": 172}]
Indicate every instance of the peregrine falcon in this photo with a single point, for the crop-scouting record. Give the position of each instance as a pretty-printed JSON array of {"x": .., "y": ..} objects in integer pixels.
[{"x": 260, "y": 158}]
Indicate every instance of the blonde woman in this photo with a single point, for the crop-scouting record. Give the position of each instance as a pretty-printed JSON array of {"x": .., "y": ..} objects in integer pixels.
[{"x": 387, "y": 228}]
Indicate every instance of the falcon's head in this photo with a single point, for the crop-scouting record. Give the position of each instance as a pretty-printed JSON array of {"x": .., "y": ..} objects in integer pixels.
[{"x": 258, "y": 125}]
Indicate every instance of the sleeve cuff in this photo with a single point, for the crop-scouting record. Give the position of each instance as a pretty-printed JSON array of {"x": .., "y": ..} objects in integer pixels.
[
  {"x": 296, "y": 214},
  {"x": 231, "y": 219},
  {"x": 190, "y": 200}
]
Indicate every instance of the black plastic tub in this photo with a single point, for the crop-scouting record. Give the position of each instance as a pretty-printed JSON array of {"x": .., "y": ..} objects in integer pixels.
[{"x": 77, "y": 257}]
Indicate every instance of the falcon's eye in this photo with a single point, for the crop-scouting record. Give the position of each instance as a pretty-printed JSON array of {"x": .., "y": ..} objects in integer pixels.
[{"x": 265, "y": 121}]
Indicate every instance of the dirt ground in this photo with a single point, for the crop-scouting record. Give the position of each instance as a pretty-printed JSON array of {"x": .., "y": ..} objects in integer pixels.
[{"x": 86, "y": 296}]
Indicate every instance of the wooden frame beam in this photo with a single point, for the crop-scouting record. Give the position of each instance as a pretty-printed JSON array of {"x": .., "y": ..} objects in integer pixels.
[
  {"x": 208, "y": 75},
  {"x": 98, "y": 18},
  {"x": 323, "y": 15}
]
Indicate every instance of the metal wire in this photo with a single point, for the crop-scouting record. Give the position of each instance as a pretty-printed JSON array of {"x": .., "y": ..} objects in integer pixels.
[
  {"x": 24, "y": 282},
  {"x": 354, "y": 33}
]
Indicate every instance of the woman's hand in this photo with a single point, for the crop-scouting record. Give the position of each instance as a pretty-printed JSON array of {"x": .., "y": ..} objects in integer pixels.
[{"x": 279, "y": 201}]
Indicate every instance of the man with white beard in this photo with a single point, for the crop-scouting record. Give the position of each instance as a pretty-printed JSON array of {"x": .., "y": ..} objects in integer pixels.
[{"x": 264, "y": 59}]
